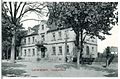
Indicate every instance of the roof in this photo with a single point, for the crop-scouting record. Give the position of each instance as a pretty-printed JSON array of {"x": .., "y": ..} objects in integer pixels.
[
  {"x": 54, "y": 27},
  {"x": 35, "y": 29}
]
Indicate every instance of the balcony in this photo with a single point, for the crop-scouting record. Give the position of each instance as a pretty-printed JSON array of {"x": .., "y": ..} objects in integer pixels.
[{"x": 40, "y": 43}]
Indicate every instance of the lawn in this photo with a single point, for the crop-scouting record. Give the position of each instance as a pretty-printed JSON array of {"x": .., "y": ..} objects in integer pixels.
[
  {"x": 8, "y": 69},
  {"x": 20, "y": 68}
]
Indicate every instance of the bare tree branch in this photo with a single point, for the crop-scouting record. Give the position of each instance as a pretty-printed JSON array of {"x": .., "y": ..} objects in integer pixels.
[
  {"x": 38, "y": 10},
  {"x": 11, "y": 11},
  {"x": 18, "y": 6},
  {"x": 22, "y": 10},
  {"x": 3, "y": 8},
  {"x": 15, "y": 9}
]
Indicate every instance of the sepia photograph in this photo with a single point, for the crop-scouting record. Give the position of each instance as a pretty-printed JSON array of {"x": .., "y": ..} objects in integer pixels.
[{"x": 59, "y": 39}]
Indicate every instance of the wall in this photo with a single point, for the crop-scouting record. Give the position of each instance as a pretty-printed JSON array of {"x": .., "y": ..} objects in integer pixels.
[
  {"x": 59, "y": 42},
  {"x": 29, "y": 55}
]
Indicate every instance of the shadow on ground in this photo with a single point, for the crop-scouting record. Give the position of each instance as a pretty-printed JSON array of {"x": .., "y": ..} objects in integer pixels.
[
  {"x": 8, "y": 70},
  {"x": 66, "y": 66},
  {"x": 111, "y": 72},
  {"x": 114, "y": 74}
]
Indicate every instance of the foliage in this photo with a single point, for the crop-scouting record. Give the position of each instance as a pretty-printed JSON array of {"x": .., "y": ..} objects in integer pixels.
[
  {"x": 108, "y": 53},
  {"x": 12, "y": 14},
  {"x": 93, "y": 17},
  {"x": 85, "y": 18}
]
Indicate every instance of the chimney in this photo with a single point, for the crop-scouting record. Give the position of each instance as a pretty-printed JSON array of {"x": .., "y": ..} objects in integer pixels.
[{"x": 29, "y": 30}]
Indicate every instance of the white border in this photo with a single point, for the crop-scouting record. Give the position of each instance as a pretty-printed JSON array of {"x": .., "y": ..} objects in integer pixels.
[
  {"x": 66, "y": 0},
  {"x": 60, "y": 1}
]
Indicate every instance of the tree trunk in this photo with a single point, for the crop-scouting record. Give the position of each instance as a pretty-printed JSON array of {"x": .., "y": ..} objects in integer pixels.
[
  {"x": 78, "y": 58},
  {"x": 13, "y": 49},
  {"x": 107, "y": 62},
  {"x": 7, "y": 53},
  {"x": 81, "y": 46},
  {"x": 78, "y": 52},
  {"x": 66, "y": 50}
]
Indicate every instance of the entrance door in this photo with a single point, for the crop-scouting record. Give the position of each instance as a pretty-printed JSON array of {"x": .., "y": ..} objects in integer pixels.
[{"x": 43, "y": 52}]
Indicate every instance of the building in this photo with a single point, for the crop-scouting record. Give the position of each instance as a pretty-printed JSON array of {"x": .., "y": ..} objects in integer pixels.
[{"x": 53, "y": 43}]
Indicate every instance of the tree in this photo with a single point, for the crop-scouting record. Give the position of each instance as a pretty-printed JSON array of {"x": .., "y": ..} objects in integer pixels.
[
  {"x": 108, "y": 53},
  {"x": 94, "y": 19},
  {"x": 15, "y": 11},
  {"x": 6, "y": 36}
]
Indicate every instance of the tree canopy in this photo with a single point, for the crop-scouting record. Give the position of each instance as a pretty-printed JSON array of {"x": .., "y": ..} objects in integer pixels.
[
  {"x": 85, "y": 18},
  {"x": 95, "y": 18},
  {"x": 12, "y": 14}
]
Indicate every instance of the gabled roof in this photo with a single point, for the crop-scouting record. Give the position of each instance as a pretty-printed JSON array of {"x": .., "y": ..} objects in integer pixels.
[{"x": 35, "y": 29}]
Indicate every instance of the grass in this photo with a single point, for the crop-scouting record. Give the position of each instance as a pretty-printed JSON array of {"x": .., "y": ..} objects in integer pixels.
[
  {"x": 12, "y": 72},
  {"x": 8, "y": 69},
  {"x": 12, "y": 65},
  {"x": 111, "y": 72}
]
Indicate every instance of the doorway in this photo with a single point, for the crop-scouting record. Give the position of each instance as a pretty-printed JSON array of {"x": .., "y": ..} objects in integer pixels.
[{"x": 43, "y": 50}]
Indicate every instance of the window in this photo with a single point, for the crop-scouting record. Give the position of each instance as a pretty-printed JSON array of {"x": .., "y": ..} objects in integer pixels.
[
  {"x": 60, "y": 35},
  {"x": 92, "y": 39},
  {"x": 54, "y": 51},
  {"x": 28, "y": 40},
  {"x": 25, "y": 52},
  {"x": 92, "y": 49},
  {"x": 66, "y": 34},
  {"x": 33, "y": 52},
  {"x": 60, "y": 50},
  {"x": 28, "y": 52},
  {"x": 25, "y": 40},
  {"x": 68, "y": 50},
  {"x": 43, "y": 37},
  {"x": 33, "y": 39},
  {"x": 42, "y": 27},
  {"x": 87, "y": 50},
  {"x": 53, "y": 36}
]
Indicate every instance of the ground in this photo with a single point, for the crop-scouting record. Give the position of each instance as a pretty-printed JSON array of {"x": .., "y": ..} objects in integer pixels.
[{"x": 52, "y": 69}]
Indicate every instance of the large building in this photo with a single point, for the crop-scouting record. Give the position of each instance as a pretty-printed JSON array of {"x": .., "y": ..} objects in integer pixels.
[{"x": 50, "y": 42}]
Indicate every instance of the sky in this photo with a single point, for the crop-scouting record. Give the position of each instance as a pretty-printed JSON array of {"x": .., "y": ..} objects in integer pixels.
[{"x": 111, "y": 40}]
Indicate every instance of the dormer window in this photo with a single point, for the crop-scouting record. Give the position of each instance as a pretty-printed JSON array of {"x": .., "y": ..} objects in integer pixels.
[
  {"x": 60, "y": 35},
  {"x": 92, "y": 40},
  {"x": 66, "y": 34},
  {"x": 43, "y": 37},
  {"x": 25, "y": 41}
]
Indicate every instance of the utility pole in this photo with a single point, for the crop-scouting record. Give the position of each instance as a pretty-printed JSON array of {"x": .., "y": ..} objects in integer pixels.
[{"x": 65, "y": 46}]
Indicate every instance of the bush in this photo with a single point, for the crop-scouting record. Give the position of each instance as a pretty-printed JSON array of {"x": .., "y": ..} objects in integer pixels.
[{"x": 38, "y": 59}]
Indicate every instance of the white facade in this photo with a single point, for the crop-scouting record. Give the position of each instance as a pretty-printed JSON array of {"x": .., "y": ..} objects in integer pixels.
[{"x": 58, "y": 44}]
